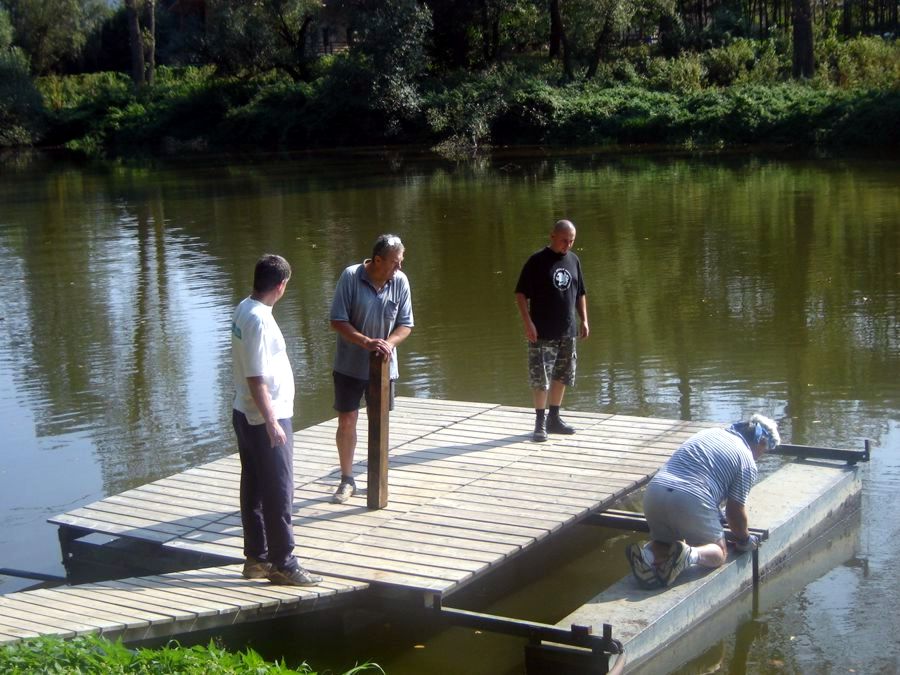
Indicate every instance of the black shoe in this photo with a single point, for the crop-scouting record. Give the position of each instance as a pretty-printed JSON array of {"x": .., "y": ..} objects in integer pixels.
[
  {"x": 540, "y": 431},
  {"x": 555, "y": 425}
]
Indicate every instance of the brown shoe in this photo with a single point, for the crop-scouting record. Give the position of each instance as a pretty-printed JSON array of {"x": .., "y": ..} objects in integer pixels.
[{"x": 256, "y": 569}]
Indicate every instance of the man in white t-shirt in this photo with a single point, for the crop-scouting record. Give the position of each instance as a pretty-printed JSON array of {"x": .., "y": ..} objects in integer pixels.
[{"x": 263, "y": 407}]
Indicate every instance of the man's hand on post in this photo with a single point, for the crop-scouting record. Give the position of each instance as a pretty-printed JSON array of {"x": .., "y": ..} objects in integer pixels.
[{"x": 383, "y": 347}]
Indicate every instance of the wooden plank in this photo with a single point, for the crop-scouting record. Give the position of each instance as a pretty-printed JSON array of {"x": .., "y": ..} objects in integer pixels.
[
  {"x": 91, "y": 623},
  {"x": 86, "y": 596},
  {"x": 42, "y": 625},
  {"x": 102, "y": 617}
]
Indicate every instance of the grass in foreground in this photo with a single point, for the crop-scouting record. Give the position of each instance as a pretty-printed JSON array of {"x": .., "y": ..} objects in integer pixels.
[{"x": 92, "y": 654}]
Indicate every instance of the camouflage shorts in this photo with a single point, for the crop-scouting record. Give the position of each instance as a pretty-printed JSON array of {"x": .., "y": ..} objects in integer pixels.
[{"x": 551, "y": 360}]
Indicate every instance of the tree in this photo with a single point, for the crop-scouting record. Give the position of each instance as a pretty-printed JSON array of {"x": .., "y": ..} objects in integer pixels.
[
  {"x": 803, "y": 60},
  {"x": 6, "y": 30},
  {"x": 52, "y": 31},
  {"x": 21, "y": 106},
  {"x": 142, "y": 39},
  {"x": 390, "y": 36},
  {"x": 596, "y": 25},
  {"x": 559, "y": 41},
  {"x": 259, "y": 35}
]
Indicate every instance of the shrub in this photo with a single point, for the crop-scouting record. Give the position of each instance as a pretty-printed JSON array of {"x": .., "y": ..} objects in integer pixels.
[
  {"x": 771, "y": 65},
  {"x": 680, "y": 75},
  {"x": 465, "y": 112},
  {"x": 870, "y": 62},
  {"x": 727, "y": 65},
  {"x": 96, "y": 90}
]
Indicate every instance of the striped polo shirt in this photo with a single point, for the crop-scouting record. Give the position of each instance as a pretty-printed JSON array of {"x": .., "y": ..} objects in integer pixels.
[{"x": 712, "y": 465}]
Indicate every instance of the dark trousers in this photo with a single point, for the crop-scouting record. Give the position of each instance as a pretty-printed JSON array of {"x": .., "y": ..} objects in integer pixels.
[{"x": 267, "y": 491}]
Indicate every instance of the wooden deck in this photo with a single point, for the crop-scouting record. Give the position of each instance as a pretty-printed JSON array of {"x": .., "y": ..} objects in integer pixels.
[
  {"x": 159, "y": 606},
  {"x": 468, "y": 491}
]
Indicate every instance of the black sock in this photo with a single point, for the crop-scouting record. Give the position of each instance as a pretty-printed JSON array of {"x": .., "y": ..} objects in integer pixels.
[
  {"x": 538, "y": 414},
  {"x": 554, "y": 411},
  {"x": 347, "y": 479}
]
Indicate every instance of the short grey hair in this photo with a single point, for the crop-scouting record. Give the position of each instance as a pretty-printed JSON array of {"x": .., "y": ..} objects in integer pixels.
[{"x": 386, "y": 243}]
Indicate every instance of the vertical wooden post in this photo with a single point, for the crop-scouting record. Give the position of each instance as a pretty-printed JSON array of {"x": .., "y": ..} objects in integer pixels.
[{"x": 379, "y": 401}]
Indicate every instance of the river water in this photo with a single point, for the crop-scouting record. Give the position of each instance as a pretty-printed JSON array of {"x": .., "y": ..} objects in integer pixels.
[{"x": 717, "y": 286}]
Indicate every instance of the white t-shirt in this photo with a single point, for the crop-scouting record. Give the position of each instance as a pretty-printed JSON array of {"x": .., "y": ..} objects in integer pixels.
[{"x": 258, "y": 349}]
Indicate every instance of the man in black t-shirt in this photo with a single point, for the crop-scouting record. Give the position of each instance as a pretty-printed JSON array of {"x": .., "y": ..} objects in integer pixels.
[{"x": 549, "y": 294}]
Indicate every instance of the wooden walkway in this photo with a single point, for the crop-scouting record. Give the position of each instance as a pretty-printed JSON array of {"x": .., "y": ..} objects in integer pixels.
[
  {"x": 468, "y": 491},
  {"x": 159, "y": 606}
]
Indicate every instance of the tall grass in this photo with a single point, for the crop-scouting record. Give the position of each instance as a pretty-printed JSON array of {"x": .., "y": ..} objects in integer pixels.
[{"x": 89, "y": 655}]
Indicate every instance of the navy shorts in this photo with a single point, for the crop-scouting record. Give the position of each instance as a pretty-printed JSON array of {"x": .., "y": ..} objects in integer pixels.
[{"x": 349, "y": 392}]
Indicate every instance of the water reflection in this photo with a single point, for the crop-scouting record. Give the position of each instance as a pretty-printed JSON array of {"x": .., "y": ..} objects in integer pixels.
[{"x": 715, "y": 287}]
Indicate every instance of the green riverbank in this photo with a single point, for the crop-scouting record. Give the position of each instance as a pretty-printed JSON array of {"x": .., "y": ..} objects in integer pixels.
[{"x": 732, "y": 96}]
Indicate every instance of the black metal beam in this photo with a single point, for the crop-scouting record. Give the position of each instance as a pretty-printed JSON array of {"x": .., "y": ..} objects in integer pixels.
[
  {"x": 637, "y": 522},
  {"x": 577, "y": 636},
  {"x": 812, "y": 452}
]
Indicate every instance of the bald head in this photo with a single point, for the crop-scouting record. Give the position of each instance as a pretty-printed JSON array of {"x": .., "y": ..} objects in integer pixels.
[{"x": 562, "y": 236}]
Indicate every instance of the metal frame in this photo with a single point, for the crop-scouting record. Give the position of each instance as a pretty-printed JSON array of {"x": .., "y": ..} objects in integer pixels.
[
  {"x": 637, "y": 522},
  {"x": 598, "y": 648},
  {"x": 812, "y": 452}
]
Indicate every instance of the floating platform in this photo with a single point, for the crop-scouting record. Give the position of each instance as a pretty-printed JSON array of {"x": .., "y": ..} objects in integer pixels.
[
  {"x": 793, "y": 506},
  {"x": 468, "y": 490}
]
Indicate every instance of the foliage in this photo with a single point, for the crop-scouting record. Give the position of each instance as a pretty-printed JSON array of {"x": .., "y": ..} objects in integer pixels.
[
  {"x": 681, "y": 75},
  {"x": 258, "y": 35},
  {"x": 637, "y": 97},
  {"x": 53, "y": 31},
  {"x": 391, "y": 40},
  {"x": 96, "y": 655},
  {"x": 860, "y": 62},
  {"x": 6, "y": 30},
  {"x": 21, "y": 109},
  {"x": 463, "y": 112},
  {"x": 785, "y": 114},
  {"x": 729, "y": 64}
]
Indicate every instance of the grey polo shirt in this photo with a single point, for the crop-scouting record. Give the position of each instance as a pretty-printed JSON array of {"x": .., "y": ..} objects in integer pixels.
[{"x": 373, "y": 313}]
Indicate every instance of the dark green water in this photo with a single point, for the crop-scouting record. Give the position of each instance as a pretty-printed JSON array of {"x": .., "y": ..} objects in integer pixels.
[{"x": 717, "y": 287}]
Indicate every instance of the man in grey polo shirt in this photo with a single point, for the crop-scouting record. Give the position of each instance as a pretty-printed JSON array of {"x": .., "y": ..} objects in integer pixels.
[{"x": 371, "y": 312}]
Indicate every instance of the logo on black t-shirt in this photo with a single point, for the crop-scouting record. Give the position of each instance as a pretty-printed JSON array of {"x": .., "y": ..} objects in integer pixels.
[{"x": 562, "y": 279}]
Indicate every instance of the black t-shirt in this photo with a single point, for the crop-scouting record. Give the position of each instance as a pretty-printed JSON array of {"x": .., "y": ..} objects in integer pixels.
[{"x": 552, "y": 283}]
